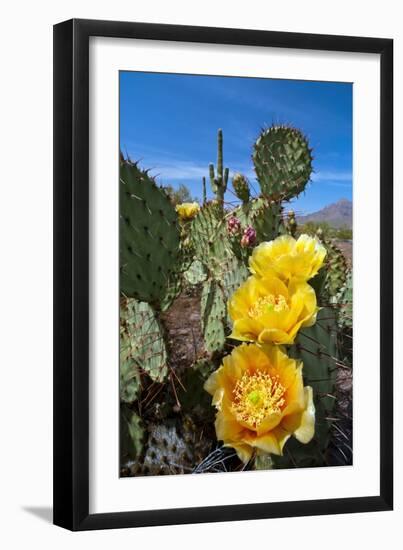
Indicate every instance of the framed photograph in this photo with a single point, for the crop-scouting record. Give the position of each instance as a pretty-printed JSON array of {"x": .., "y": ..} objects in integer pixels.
[{"x": 223, "y": 303}]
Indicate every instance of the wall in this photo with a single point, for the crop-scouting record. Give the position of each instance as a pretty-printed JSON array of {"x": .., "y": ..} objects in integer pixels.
[{"x": 25, "y": 289}]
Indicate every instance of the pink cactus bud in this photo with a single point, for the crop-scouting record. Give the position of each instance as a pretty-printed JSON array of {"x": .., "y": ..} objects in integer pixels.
[
  {"x": 233, "y": 226},
  {"x": 248, "y": 237}
]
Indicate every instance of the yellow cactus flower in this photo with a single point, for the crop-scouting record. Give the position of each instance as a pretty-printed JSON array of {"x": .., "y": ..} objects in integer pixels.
[
  {"x": 261, "y": 401},
  {"x": 288, "y": 258},
  {"x": 187, "y": 210},
  {"x": 269, "y": 310}
]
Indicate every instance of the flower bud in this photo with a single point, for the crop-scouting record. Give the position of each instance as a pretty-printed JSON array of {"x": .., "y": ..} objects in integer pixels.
[
  {"x": 248, "y": 237},
  {"x": 233, "y": 226},
  {"x": 241, "y": 187}
]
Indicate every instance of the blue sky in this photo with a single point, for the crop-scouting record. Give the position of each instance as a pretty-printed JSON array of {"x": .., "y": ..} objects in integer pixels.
[{"x": 169, "y": 123}]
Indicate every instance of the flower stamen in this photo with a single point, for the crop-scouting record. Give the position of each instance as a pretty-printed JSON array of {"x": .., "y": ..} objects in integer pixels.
[
  {"x": 256, "y": 396},
  {"x": 268, "y": 303}
]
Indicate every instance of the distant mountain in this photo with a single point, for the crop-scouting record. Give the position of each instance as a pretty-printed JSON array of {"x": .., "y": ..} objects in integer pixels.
[{"x": 338, "y": 214}]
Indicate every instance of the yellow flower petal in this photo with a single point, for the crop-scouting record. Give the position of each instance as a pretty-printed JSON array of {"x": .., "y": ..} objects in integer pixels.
[
  {"x": 267, "y": 310},
  {"x": 244, "y": 452},
  {"x": 227, "y": 428},
  {"x": 187, "y": 210},
  {"x": 295, "y": 394},
  {"x": 260, "y": 400},
  {"x": 245, "y": 330},
  {"x": 212, "y": 384},
  {"x": 288, "y": 258},
  {"x": 267, "y": 443},
  {"x": 306, "y": 430},
  {"x": 268, "y": 423},
  {"x": 282, "y": 437},
  {"x": 274, "y": 336}
]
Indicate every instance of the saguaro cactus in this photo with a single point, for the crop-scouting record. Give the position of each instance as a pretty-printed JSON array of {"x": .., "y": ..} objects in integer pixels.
[{"x": 219, "y": 181}]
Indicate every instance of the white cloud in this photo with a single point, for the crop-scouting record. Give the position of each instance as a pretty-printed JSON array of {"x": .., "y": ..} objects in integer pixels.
[
  {"x": 333, "y": 176},
  {"x": 178, "y": 170},
  {"x": 170, "y": 168}
]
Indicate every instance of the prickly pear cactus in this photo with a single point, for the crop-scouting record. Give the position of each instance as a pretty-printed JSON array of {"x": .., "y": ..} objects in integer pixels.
[
  {"x": 144, "y": 338},
  {"x": 266, "y": 220},
  {"x": 259, "y": 220},
  {"x": 173, "y": 289},
  {"x": 345, "y": 304},
  {"x": 234, "y": 274},
  {"x": 149, "y": 236},
  {"x": 241, "y": 188},
  {"x": 283, "y": 162},
  {"x": 196, "y": 273},
  {"x": 337, "y": 271},
  {"x": 246, "y": 211},
  {"x": 131, "y": 434},
  {"x": 129, "y": 369},
  {"x": 172, "y": 448},
  {"x": 316, "y": 347},
  {"x": 192, "y": 396},
  {"x": 213, "y": 315},
  {"x": 210, "y": 238},
  {"x": 174, "y": 284}
]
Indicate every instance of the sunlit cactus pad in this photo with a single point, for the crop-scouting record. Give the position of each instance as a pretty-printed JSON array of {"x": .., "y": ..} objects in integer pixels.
[
  {"x": 283, "y": 162},
  {"x": 149, "y": 236}
]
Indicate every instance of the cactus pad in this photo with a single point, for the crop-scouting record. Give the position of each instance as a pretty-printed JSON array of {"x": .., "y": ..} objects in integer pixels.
[
  {"x": 266, "y": 220},
  {"x": 234, "y": 274},
  {"x": 131, "y": 434},
  {"x": 283, "y": 162},
  {"x": 191, "y": 394},
  {"x": 246, "y": 211},
  {"x": 317, "y": 348},
  {"x": 210, "y": 238},
  {"x": 172, "y": 448},
  {"x": 145, "y": 336},
  {"x": 346, "y": 304},
  {"x": 213, "y": 315},
  {"x": 129, "y": 372},
  {"x": 337, "y": 271},
  {"x": 196, "y": 273},
  {"x": 149, "y": 236}
]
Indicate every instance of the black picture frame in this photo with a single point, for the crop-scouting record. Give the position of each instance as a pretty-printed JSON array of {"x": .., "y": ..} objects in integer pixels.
[{"x": 71, "y": 274}]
